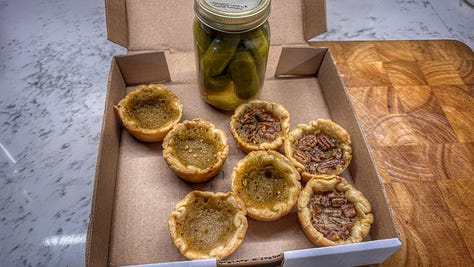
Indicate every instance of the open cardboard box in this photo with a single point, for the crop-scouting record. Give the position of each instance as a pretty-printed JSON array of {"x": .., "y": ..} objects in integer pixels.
[{"x": 134, "y": 189}]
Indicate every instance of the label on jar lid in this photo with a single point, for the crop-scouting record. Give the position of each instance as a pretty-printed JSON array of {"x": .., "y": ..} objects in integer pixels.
[{"x": 234, "y": 6}]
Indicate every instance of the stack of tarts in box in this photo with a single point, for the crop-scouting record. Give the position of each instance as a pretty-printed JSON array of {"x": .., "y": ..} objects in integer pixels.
[{"x": 266, "y": 184}]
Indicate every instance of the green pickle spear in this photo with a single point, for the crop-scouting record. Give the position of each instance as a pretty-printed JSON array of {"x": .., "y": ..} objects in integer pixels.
[
  {"x": 257, "y": 42},
  {"x": 219, "y": 54},
  {"x": 244, "y": 75}
]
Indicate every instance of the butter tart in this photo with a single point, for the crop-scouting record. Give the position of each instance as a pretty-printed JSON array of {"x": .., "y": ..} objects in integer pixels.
[
  {"x": 333, "y": 212},
  {"x": 195, "y": 150},
  {"x": 267, "y": 183},
  {"x": 260, "y": 125},
  {"x": 150, "y": 112},
  {"x": 319, "y": 149},
  {"x": 208, "y": 225}
]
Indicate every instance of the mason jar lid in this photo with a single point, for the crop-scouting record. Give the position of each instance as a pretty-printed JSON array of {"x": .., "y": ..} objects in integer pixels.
[{"x": 233, "y": 15}]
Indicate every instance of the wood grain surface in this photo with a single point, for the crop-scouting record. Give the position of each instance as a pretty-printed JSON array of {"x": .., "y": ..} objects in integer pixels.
[{"x": 415, "y": 102}]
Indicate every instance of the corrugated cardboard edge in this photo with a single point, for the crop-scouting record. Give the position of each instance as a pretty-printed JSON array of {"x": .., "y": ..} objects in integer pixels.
[
  {"x": 262, "y": 261},
  {"x": 100, "y": 218}
]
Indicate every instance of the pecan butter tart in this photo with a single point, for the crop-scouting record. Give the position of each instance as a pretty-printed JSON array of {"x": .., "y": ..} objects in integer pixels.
[
  {"x": 208, "y": 225},
  {"x": 267, "y": 183},
  {"x": 195, "y": 150},
  {"x": 149, "y": 112},
  {"x": 319, "y": 149},
  {"x": 260, "y": 125},
  {"x": 332, "y": 212}
]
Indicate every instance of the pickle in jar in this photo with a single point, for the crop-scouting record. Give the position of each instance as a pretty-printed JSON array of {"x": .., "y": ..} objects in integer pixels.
[
  {"x": 219, "y": 54},
  {"x": 213, "y": 83},
  {"x": 217, "y": 83},
  {"x": 243, "y": 72},
  {"x": 231, "y": 49},
  {"x": 258, "y": 44}
]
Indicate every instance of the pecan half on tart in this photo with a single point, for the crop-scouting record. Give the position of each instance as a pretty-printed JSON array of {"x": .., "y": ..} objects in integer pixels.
[
  {"x": 260, "y": 125},
  {"x": 333, "y": 212},
  {"x": 195, "y": 150},
  {"x": 208, "y": 225},
  {"x": 319, "y": 149},
  {"x": 267, "y": 183},
  {"x": 149, "y": 112}
]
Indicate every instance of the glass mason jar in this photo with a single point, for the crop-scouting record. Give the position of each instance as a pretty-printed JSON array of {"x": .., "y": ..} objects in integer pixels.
[{"x": 231, "y": 42}]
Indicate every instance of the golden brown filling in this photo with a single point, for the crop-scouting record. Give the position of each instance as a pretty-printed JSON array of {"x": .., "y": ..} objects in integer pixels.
[
  {"x": 320, "y": 153},
  {"x": 150, "y": 110},
  {"x": 264, "y": 185},
  {"x": 256, "y": 125},
  {"x": 196, "y": 147},
  {"x": 332, "y": 214},
  {"x": 208, "y": 223}
]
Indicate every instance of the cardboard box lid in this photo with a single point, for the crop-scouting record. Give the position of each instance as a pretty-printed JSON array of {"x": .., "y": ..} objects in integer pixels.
[{"x": 148, "y": 24}]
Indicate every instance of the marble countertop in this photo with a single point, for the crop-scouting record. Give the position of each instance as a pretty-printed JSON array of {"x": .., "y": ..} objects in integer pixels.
[{"x": 54, "y": 61}]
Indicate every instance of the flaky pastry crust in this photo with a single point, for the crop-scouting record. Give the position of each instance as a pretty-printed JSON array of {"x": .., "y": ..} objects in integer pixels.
[
  {"x": 264, "y": 135},
  {"x": 208, "y": 225},
  {"x": 305, "y": 159},
  {"x": 149, "y": 112},
  {"x": 267, "y": 183},
  {"x": 195, "y": 150},
  {"x": 362, "y": 221}
]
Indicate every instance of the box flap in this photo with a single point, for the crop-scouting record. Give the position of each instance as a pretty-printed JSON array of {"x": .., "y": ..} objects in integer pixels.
[
  {"x": 154, "y": 68},
  {"x": 167, "y": 24},
  {"x": 299, "y": 61}
]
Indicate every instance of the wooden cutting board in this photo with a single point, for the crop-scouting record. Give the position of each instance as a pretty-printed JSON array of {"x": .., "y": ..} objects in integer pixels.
[{"x": 415, "y": 102}]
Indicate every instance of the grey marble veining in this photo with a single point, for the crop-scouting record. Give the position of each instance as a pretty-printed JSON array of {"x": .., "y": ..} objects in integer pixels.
[
  {"x": 53, "y": 70},
  {"x": 54, "y": 61},
  {"x": 399, "y": 19}
]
